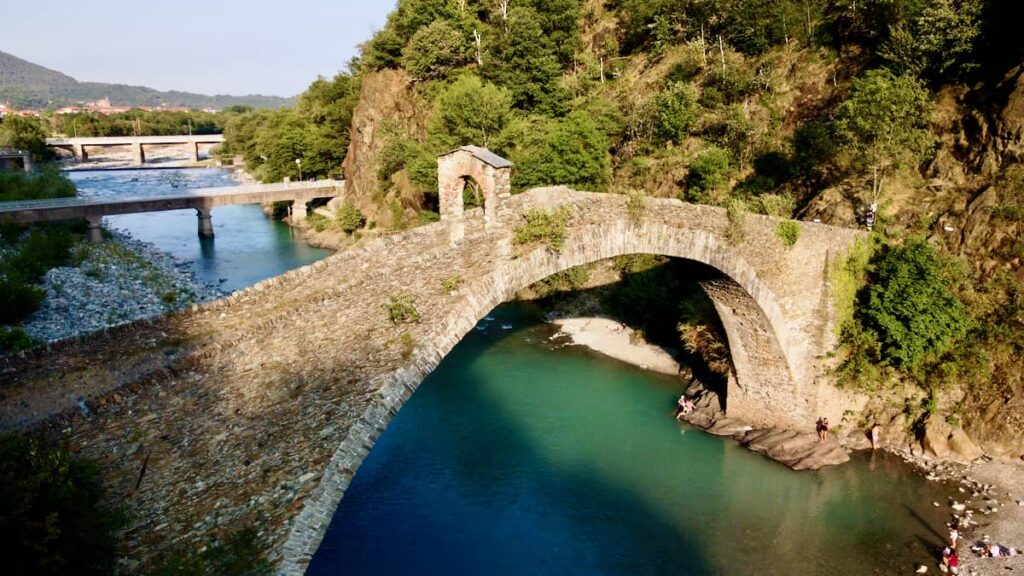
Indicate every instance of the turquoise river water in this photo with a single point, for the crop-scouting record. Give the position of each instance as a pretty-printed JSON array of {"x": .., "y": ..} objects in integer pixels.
[
  {"x": 248, "y": 246},
  {"x": 519, "y": 457}
]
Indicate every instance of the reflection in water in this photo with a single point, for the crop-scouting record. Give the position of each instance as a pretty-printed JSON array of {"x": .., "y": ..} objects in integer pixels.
[
  {"x": 248, "y": 246},
  {"x": 513, "y": 458}
]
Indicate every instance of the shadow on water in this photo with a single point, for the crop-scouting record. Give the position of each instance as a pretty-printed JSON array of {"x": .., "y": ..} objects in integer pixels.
[{"x": 477, "y": 504}]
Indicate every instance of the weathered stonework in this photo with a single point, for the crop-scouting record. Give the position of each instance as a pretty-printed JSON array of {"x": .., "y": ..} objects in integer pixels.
[
  {"x": 492, "y": 173},
  {"x": 260, "y": 407}
]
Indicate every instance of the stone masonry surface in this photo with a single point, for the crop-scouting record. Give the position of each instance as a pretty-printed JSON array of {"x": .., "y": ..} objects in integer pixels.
[{"x": 259, "y": 407}]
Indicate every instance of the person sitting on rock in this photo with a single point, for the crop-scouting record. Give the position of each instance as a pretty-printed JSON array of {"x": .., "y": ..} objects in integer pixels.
[{"x": 950, "y": 561}]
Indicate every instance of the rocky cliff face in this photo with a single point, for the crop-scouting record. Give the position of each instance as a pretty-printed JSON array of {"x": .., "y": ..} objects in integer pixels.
[{"x": 388, "y": 104}]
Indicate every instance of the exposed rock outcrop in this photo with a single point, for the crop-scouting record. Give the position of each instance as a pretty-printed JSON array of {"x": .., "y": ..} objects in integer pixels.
[
  {"x": 799, "y": 450},
  {"x": 388, "y": 102}
]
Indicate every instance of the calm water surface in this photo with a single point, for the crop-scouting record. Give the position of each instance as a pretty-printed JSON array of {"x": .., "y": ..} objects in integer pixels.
[
  {"x": 515, "y": 457},
  {"x": 248, "y": 247}
]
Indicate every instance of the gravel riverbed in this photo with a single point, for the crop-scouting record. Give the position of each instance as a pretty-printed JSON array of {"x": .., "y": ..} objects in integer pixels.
[{"x": 117, "y": 281}]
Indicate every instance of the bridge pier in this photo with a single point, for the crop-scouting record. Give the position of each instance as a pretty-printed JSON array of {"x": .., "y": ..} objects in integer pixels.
[
  {"x": 299, "y": 210},
  {"x": 26, "y": 162},
  {"x": 95, "y": 231},
  {"x": 193, "y": 150},
  {"x": 205, "y": 222},
  {"x": 138, "y": 155},
  {"x": 80, "y": 154}
]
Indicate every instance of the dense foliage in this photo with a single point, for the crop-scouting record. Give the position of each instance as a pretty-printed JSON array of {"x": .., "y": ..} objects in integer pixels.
[
  {"x": 315, "y": 132},
  {"x": 52, "y": 519},
  {"x": 909, "y": 307},
  {"x": 27, "y": 256},
  {"x": 25, "y": 133}
]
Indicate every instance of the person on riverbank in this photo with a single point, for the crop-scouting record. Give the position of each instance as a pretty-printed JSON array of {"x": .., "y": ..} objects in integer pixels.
[
  {"x": 876, "y": 436},
  {"x": 822, "y": 428},
  {"x": 950, "y": 561},
  {"x": 954, "y": 534},
  {"x": 686, "y": 406}
]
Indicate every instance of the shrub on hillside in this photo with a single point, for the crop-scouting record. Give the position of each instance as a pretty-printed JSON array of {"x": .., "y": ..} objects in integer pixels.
[
  {"x": 571, "y": 151},
  {"x": 470, "y": 111},
  {"x": 910, "y": 307},
  {"x": 675, "y": 111},
  {"x": 348, "y": 217},
  {"x": 709, "y": 173}
]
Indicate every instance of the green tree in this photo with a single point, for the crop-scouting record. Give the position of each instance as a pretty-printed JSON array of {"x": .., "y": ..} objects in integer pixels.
[
  {"x": 24, "y": 133},
  {"x": 910, "y": 307},
  {"x": 435, "y": 50},
  {"x": 348, "y": 217},
  {"x": 676, "y": 110},
  {"x": 571, "y": 151},
  {"x": 884, "y": 122},
  {"x": 940, "y": 43},
  {"x": 709, "y": 173},
  {"x": 470, "y": 111},
  {"x": 525, "y": 61}
]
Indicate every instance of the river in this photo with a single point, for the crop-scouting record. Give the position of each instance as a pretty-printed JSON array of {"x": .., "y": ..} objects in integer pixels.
[
  {"x": 248, "y": 246},
  {"x": 517, "y": 457}
]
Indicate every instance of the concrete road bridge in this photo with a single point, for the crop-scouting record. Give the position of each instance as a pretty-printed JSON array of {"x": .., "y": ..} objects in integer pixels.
[
  {"x": 259, "y": 408},
  {"x": 203, "y": 200},
  {"x": 15, "y": 159},
  {"x": 191, "y": 142}
]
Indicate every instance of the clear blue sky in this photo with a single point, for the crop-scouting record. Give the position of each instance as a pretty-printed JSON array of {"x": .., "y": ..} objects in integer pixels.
[{"x": 206, "y": 46}]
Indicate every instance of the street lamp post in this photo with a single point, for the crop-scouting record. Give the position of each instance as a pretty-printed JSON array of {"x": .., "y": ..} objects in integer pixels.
[{"x": 298, "y": 162}]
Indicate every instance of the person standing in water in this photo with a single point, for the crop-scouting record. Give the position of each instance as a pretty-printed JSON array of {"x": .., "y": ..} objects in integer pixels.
[{"x": 876, "y": 435}]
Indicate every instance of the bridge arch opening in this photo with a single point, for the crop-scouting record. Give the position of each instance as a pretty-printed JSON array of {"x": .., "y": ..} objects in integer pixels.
[{"x": 772, "y": 305}]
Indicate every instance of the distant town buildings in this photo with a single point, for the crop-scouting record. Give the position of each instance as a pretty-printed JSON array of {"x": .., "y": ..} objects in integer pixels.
[
  {"x": 6, "y": 110},
  {"x": 101, "y": 106}
]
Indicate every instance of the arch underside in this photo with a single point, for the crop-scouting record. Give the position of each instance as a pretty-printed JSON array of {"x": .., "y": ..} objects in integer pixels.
[{"x": 764, "y": 389}]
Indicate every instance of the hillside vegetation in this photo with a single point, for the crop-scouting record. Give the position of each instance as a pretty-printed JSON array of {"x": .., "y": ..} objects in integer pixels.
[
  {"x": 27, "y": 85},
  {"x": 815, "y": 109}
]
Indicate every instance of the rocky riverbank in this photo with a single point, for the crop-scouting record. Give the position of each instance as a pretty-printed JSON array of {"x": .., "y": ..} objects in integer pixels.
[{"x": 117, "y": 281}]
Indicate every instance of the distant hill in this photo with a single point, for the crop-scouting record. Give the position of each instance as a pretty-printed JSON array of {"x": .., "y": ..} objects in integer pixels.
[{"x": 27, "y": 85}]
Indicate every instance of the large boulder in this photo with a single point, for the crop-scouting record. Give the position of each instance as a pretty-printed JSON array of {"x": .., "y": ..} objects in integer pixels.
[
  {"x": 935, "y": 439},
  {"x": 962, "y": 445}
]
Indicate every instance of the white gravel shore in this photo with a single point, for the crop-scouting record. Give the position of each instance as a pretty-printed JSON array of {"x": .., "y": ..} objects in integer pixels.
[
  {"x": 612, "y": 338},
  {"x": 118, "y": 281}
]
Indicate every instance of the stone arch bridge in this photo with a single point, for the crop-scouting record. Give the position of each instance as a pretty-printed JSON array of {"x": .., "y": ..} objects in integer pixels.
[{"x": 259, "y": 408}]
